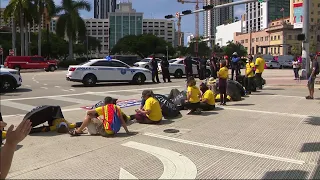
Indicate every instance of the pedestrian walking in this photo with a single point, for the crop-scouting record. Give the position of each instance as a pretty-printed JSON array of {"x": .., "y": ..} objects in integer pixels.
[
  {"x": 296, "y": 68},
  {"x": 165, "y": 70},
  {"x": 154, "y": 69},
  {"x": 312, "y": 78}
]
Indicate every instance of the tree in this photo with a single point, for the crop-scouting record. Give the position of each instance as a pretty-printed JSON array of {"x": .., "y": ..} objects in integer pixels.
[
  {"x": 142, "y": 45},
  {"x": 51, "y": 9},
  {"x": 70, "y": 23},
  {"x": 93, "y": 45},
  {"x": 203, "y": 49},
  {"x": 234, "y": 47},
  {"x": 295, "y": 50},
  {"x": 181, "y": 51}
]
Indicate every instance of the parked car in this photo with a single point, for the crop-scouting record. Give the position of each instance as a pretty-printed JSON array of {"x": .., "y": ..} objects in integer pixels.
[
  {"x": 30, "y": 62},
  {"x": 144, "y": 63},
  {"x": 285, "y": 61},
  {"x": 10, "y": 79},
  {"x": 273, "y": 64},
  {"x": 102, "y": 70}
]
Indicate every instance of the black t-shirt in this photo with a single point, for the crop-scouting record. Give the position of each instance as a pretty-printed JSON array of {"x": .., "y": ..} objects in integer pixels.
[{"x": 316, "y": 67}]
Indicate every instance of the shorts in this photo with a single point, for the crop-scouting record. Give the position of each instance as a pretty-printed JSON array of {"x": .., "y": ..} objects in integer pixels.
[
  {"x": 311, "y": 83},
  {"x": 95, "y": 127}
]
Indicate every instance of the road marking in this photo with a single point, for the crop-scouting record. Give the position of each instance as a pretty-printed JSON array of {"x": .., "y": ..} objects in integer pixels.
[
  {"x": 175, "y": 165},
  {"x": 86, "y": 93},
  {"x": 126, "y": 175},
  {"x": 237, "y": 151},
  {"x": 44, "y": 87},
  {"x": 65, "y": 90},
  {"x": 27, "y": 85},
  {"x": 266, "y": 112},
  {"x": 45, "y": 84},
  {"x": 72, "y": 90},
  {"x": 37, "y": 82},
  {"x": 15, "y": 105},
  {"x": 58, "y": 86}
]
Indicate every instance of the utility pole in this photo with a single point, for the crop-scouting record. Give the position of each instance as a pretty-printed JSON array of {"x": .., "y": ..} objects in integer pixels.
[{"x": 305, "y": 31}]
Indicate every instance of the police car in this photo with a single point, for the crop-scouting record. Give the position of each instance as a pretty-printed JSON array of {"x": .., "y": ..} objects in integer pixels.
[
  {"x": 145, "y": 63},
  {"x": 10, "y": 79},
  {"x": 107, "y": 70},
  {"x": 177, "y": 68}
]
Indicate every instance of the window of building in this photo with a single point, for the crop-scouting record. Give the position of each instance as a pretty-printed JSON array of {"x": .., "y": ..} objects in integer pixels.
[
  {"x": 246, "y": 40},
  {"x": 261, "y": 38},
  {"x": 266, "y": 38},
  {"x": 275, "y": 38},
  {"x": 278, "y": 50},
  {"x": 242, "y": 41},
  {"x": 252, "y": 40},
  {"x": 311, "y": 19},
  {"x": 318, "y": 38},
  {"x": 271, "y": 38},
  {"x": 289, "y": 37},
  {"x": 271, "y": 50},
  {"x": 257, "y": 39},
  {"x": 278, "y": 37},
  {"x": 311, "y": 37}
]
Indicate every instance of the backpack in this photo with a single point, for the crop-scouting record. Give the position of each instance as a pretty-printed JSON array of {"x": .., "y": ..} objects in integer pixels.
[
  {"x": 114, "y": 124},
  {"x": 169, "y": 109}
]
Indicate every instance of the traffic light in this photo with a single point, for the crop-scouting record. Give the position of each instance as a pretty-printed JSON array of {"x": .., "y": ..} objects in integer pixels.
[
  {"x": 207, "y": 7},
  {"x": 186, "y": 12},
  {"x": 301, "y": 37},
  {"x": 169, "y": 16}
]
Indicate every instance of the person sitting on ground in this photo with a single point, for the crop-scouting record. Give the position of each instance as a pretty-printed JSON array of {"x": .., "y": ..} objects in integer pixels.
[
  {"x": 249, "y": 74},
  {"x": 207, "y": 100},
  {"x": 101, "y": 125},
  {"x": 13, "y": 138},
  {"x": 151, "y": 112},
  {"x": 193, "y": 97},
  {"x": 223, "y": 77}
]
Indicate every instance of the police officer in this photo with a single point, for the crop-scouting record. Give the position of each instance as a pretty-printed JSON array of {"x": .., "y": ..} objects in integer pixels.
[
  {"x": 188, "y": 66},
  {"x": 165, "y": 69},
  {"x": 213, "y": 66},
  {"x": 202, "y": 68},
  {"x": 154, "y": 69},
  {"x": 235, "y": 65}
]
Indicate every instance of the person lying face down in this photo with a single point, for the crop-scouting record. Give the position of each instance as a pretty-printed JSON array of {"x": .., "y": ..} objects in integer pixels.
[{"x": 101, "y": 125}]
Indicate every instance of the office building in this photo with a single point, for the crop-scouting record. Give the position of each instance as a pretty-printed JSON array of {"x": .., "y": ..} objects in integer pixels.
[
  {"x": 124, "y": 21},
  {"x": 189, "y": 39},
  {"x": 296, "y": 11},
  {"x": 258, "y": 15},
  {"x": 225, "y": 32},
  {"x": 278, "y": 39},
  {"x": 101, "y": 8},
  {"x": 216, "y": 17},
  {"x": 162, "y": 28}
]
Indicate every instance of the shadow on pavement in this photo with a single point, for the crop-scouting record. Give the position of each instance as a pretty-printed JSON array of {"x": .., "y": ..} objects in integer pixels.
[
  {"x": 19, "y": 90},
  {"x": 47, "y": 134},
  {"x": 274, "y": 89},
  {"x": 111, "y": 84},
  {"x": 19, "y": 147},
  {"x": 208, "y": 113},
  {"x": 310, "y": 147},
  {"x": 289, "y": 174},
  {"x": 164, "y": 122},
  {"x": 313, "y": 121},
  {"x": 264, "y": 94}
]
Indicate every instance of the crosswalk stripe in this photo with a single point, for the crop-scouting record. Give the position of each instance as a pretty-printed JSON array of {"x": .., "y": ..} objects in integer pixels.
[{"x": 15, "y": 105}]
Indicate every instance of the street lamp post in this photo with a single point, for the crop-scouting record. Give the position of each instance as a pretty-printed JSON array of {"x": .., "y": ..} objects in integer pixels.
[
  {"x": 87, "y": 39},
  {"x": 167, "y": 53},
  {"x": 305, "y": 31}
]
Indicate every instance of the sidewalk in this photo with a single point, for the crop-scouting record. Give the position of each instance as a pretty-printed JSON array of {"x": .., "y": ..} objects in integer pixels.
[{"x": 274, "y": 133}]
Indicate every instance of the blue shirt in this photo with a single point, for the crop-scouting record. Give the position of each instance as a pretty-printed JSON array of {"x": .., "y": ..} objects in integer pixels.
[{"x": 235, "y": 59}]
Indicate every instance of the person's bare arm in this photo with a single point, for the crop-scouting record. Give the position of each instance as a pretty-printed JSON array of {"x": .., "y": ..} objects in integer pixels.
[
  {"x": 13, "y": 138},
  {"x": 124, "y": 125},
  {"x": 91, "y": 112}
]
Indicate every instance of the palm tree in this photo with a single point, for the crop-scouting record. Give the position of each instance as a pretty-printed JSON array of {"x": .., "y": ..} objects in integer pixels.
[
  {"x": 70, "y": 23},
  {"x": 50, "y": 7}
]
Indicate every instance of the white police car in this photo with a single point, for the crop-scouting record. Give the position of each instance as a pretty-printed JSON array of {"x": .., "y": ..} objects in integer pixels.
[
  {"x": 107, "y": 70},
  {"x": 10, "y": 79},
  {"x": 177, "y": 68},
  {"x": 145, "y": 63}
]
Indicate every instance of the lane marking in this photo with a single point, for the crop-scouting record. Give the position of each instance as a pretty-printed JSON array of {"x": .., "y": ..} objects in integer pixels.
[
  {"x": 86, "y": 93},
  {"x": 45, "y": 84},
  {"x": 123, "y": 174},
  {"x": 266, "y": 112},
  {"x": 57, "y": 86},
  {"x": 237, "y": 151},
  {"x": 72, "y": 90},
  {"x": 175, "y": 165},
  {"x": 24, "y": 107},
  {"x": 37, "y": 82},
  {"x": 27, "y": 85},
  {"x": 65, "y": 90},
  {"x": 44, "y": 87}
]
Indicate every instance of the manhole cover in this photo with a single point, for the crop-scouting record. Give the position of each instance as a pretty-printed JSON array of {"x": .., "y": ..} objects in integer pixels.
[{"x": 171, "y": 131}]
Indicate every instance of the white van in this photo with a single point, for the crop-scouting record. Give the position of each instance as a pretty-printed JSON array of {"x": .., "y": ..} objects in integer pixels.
[{"x": 285, "y": 61}]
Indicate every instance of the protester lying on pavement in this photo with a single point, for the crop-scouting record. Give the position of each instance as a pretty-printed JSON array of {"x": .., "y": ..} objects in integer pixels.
[
  {"x": 151, "y": 112},
  {"x": 207, "y": 100},
  {"x": 13, "y": 138},
  {"x": 109, "y": 121}
]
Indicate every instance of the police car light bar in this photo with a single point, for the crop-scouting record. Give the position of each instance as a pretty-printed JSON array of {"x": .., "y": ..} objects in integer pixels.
[{"x": 223, "y": 5}]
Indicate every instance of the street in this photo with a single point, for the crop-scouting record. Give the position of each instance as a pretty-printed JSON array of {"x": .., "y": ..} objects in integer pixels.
[{"x": 271, "y": 134}]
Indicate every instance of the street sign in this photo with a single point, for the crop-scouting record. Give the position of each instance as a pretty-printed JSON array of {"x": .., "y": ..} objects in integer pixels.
[
  {"x": 1, "y": 51},
  {"x": 11, "y": 52}
]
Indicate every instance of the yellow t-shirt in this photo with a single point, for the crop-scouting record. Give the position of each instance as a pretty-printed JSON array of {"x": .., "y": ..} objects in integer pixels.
[
  {"x": 223, "y": 73},
  {"x": 56, "y": 122},
  {"x": 100, "y": 113},
  {"x": 260, "y": 63},
  {"x": 209, "y": 96},
  {"x": 154, "y": 107},
  {"x": 249, "y": 69},
  {"x": 195, "y": 91}
]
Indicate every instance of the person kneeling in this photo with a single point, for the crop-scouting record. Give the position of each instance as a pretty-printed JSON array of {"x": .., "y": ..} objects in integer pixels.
[
  {"x": 101, "y": 126},
  {"x": 207, "y": 101},
  {"x": 151, "y": 111}
]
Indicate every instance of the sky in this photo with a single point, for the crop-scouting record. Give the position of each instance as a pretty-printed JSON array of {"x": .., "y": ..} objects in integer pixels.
[{"x": 159, "y": 8}]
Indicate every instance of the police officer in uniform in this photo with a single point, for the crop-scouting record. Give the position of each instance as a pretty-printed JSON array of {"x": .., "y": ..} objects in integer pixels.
[
  {"x": 165, "y": 69},
  {"x": 188, "y": 66}
]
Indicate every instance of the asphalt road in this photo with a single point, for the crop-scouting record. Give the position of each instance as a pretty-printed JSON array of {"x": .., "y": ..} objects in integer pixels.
[{"x": 271, "y": 134}]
